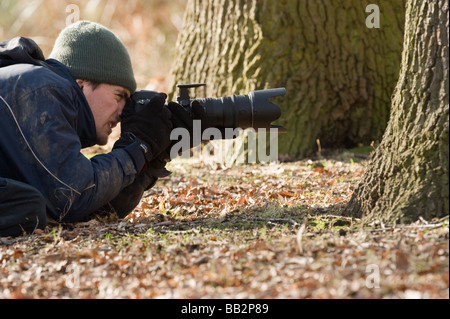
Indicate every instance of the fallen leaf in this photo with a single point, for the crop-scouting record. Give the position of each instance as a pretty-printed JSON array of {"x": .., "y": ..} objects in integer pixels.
[
  {"x": 287, "y": 194},
  {"x": 401, "y": 260}
]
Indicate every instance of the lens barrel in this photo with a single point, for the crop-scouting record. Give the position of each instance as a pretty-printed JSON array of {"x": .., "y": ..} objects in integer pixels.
[{"x": 254, "y": 110}]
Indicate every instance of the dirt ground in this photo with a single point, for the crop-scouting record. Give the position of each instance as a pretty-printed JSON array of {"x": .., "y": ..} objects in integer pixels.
[{"x": 255, "y": 231}]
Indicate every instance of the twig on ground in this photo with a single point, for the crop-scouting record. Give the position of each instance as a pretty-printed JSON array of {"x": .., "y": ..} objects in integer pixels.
[{"x": 273, "y": 220}]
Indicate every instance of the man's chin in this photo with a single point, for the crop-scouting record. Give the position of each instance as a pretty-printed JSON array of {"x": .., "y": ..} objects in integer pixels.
[{"x": 102, "y": 141}]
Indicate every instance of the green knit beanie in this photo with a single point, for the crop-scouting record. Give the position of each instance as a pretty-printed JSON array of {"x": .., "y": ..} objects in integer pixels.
[{"x": 92, "y": 52}]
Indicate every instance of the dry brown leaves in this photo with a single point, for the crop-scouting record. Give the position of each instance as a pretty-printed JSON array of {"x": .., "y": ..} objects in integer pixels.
[
  {"x": 259, "y": 231},
  {"x": 198, "y": 191}
]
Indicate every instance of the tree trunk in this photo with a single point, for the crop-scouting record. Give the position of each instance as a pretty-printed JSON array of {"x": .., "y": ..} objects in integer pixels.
[
  {"x": 408, "y": 173},
  {"x": 339, "y": 74}
]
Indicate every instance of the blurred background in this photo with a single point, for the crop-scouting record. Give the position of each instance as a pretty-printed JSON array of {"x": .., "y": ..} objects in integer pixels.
[{"x": 149, "y": 29}]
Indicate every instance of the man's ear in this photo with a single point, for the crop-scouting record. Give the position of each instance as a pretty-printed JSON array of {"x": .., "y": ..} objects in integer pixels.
[{"x": 81, "y": 83}]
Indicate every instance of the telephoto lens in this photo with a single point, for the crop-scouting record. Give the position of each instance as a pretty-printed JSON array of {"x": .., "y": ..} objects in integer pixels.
[{"x": 254, "y": 110}]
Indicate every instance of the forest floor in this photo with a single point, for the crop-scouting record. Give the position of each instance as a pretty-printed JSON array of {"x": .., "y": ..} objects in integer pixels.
[{"x": 255, "y": 231}]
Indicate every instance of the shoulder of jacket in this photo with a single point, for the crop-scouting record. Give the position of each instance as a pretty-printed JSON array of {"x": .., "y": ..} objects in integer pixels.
[{"x": 37, "y": 77}]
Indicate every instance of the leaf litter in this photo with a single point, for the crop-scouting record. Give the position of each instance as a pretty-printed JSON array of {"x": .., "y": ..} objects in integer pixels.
[{"x": 254, "y": 231}]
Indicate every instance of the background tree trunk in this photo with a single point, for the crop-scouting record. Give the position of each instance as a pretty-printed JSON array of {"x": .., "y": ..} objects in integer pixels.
[
  {"x": 408, "y": 174},
  {"x": 338, "y": 73}
]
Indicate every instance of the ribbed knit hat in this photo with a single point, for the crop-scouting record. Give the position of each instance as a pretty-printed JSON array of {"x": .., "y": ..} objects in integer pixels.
[{"x": 92, "y": 52}]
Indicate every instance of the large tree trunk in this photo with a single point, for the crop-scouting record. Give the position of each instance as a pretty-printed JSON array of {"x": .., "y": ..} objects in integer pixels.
[
  {"x": 339, "y": 74},
  {"x": 408, "y": 175}
]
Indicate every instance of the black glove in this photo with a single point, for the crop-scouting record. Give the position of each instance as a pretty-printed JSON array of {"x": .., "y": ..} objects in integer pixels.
[
  {"x": 148, "y": 122},
  {"x": 127, "y": 200}
]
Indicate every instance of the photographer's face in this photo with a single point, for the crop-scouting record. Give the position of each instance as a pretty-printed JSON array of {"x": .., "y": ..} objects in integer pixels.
[{"x": 107, "y": 102}]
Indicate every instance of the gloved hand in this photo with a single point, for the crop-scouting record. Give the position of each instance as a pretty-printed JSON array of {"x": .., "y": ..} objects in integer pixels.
[
  {"x": 130, "y": 196},
  {"x": 150, "y": 122},
  {"x": 180, "y": 118}
]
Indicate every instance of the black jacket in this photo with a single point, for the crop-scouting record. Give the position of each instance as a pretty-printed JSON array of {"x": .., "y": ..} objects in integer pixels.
[{"x": 45, "y": 121}]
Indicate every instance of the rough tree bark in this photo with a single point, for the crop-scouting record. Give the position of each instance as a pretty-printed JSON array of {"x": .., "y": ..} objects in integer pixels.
[
  {"x": 408, "y": 175},
  {"x": 338, "y": 73}
]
